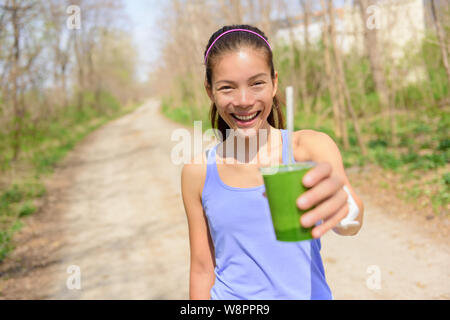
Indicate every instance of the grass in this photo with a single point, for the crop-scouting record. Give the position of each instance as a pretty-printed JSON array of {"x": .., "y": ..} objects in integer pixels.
[
  {"x": 422, "y": 155},
  {"x": 42, "y": 147},
  {"x": 185, "y": 114}
]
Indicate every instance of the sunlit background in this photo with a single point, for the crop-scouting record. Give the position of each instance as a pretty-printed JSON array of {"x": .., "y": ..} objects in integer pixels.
[{"x": 374, "y": 75}]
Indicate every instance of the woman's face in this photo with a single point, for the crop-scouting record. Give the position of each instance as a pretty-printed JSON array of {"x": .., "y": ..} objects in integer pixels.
[{"x": 243, "y": 90}]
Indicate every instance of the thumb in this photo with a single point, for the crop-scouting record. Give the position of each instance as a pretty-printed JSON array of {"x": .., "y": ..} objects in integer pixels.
[{"x": 264, "y": 194}]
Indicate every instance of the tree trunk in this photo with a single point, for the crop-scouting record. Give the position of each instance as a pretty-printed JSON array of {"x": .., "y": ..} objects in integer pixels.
[
  {"x": 295, "y": 82},
  {"x": 376, "y": 66},
  {"x": 304, "y": 57},
  {"x": 441, "y": 37},
  {"x": 306, "y": 6},
  {"x": 79, "y": 61},
  {"x": 15, "y": 78},
  {"x": 64, "y": 82},
  {"x": 331, "y": 81},
  {"x": 331, "y": 45},
  {"x": 343, "y": 86}
]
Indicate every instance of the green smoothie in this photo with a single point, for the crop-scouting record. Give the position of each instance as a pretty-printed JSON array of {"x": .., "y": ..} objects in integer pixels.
[{"x": 283, "y": 186}]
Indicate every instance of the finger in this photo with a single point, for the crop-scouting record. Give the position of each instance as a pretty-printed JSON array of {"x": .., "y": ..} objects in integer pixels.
[
  {"x": 264, "y": 194},
  {"x": 316, "y": 174},
  {"x": 319, "y": 192},
  {"x": 323, "y": 211},
  {"x": 331, "y": 222}
]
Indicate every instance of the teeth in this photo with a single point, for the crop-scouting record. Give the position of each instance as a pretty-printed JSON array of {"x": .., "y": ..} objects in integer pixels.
[{"x": 246, "y": 118}]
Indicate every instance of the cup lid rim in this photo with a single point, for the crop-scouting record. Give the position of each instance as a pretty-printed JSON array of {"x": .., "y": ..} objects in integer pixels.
[{"x": 285, "y": 167}]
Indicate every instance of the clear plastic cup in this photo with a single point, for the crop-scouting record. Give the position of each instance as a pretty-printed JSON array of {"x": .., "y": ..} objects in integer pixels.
[{"x": 284, "y": 185}]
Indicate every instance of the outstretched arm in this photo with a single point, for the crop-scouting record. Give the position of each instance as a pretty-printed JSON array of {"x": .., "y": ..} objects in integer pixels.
[{"x": 326, "y": 181}]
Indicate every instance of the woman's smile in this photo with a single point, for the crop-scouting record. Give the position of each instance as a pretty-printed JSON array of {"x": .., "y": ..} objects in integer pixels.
[{"x": 245, "y": 120}]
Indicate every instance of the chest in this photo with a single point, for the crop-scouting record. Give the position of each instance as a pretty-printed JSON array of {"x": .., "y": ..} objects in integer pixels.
[{"x": 248, "y": 175}]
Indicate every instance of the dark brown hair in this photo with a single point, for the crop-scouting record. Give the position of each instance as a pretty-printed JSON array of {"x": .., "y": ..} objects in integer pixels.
[{"x": 231, "y": 42}]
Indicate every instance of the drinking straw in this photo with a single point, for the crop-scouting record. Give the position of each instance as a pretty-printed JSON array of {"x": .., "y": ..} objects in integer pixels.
[{"x": 290, "y": 120}]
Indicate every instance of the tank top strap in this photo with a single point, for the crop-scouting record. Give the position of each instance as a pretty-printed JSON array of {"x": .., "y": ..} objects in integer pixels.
[
  {"x": 211, "y": 155},
  {"x": 211, "y": 168},
  {"x": 211, "y": 160},
  {"x": 284, "y": 137}
]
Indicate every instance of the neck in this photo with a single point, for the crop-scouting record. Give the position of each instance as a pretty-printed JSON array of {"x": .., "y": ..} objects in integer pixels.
[{"x": 255, "y": 148}]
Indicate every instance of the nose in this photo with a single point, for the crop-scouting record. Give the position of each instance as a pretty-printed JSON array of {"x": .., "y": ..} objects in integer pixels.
[{"x": 245, "y": 98}]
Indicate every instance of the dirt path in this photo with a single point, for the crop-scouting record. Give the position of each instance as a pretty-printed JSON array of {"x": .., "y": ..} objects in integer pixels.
[
  {"x": 390, "y": 258},
  {"x": 114, "y": 211}
]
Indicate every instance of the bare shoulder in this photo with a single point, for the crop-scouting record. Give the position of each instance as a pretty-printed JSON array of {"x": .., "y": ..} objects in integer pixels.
[
  {"x": 322, "y": 148},
  {"x": 318, "y": 145},
  {"x": 193, "y": 175}
]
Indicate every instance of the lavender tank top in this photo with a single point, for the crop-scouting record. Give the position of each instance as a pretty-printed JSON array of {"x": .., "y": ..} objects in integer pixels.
[{"x": 250, "y": 263}]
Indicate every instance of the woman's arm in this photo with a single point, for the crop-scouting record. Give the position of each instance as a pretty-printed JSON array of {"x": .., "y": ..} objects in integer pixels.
[
  {"x": 323, "y": 149},
  {"x": 330, "y": 153},
  {"x": 202, "y": 261}
]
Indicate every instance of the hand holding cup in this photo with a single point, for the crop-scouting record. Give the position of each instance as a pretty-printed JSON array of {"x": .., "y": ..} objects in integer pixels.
[{"x": 325, "y": 197}]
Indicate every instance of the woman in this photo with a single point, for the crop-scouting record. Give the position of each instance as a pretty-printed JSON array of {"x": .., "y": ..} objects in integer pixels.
[{"x": 234, "y": 252}]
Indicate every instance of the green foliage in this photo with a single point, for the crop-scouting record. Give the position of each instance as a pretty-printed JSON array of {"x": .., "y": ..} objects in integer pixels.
[
  {"x": 444, "y": 144},
  {"x": 446, "y": 178},
  {"x": 43, "y": 145},
  {"x": 17, "y": 200},
  {"x": 373, "y": 144},
  {"x": 27, "y": 209},
  {"x": 386, "y": 160},
  {"x": 435, "y": 68},
  {"x": 185, "y": 114},
  {"x": 428, "y": 162},
  {"x": 13, "y": 195},
  {"x": 178, "y": 114},
  {"x": 410, "y": 96},
  {"x": 6, "y": 245}
]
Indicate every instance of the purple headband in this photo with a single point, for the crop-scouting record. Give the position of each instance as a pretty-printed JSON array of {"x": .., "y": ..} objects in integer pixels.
[{"x": 212, "y": 44}]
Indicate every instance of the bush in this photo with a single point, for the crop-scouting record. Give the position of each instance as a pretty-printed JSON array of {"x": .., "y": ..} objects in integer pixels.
[
  {"x": 429, "y": 161},
  {"x": 27, "y": 209},
  {"x": 12, "y": 195},
  {"x": 377, "y": 143},
  {"x": 389, "y": 161},
  {"x": 410, "y": 96},
  {"x": 444, "y": 144},
  {"x": 386, "y": 159},
  {"x": 409, "y": 157},
  {"x": 421, "y": 128},
  {"x": 5, "y": 239},
  {"x": 446, "y": 178}
]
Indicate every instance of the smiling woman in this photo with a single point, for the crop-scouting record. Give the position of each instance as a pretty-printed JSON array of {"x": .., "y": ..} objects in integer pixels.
[
  {"x": 244, "y": 94},
  {"x": 234, "y": 250}
]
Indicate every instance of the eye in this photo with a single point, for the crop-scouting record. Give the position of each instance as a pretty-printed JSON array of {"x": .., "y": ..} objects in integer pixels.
[
  {"x": 258, "y": 83},
  {"x": 225, "y": 88}
]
